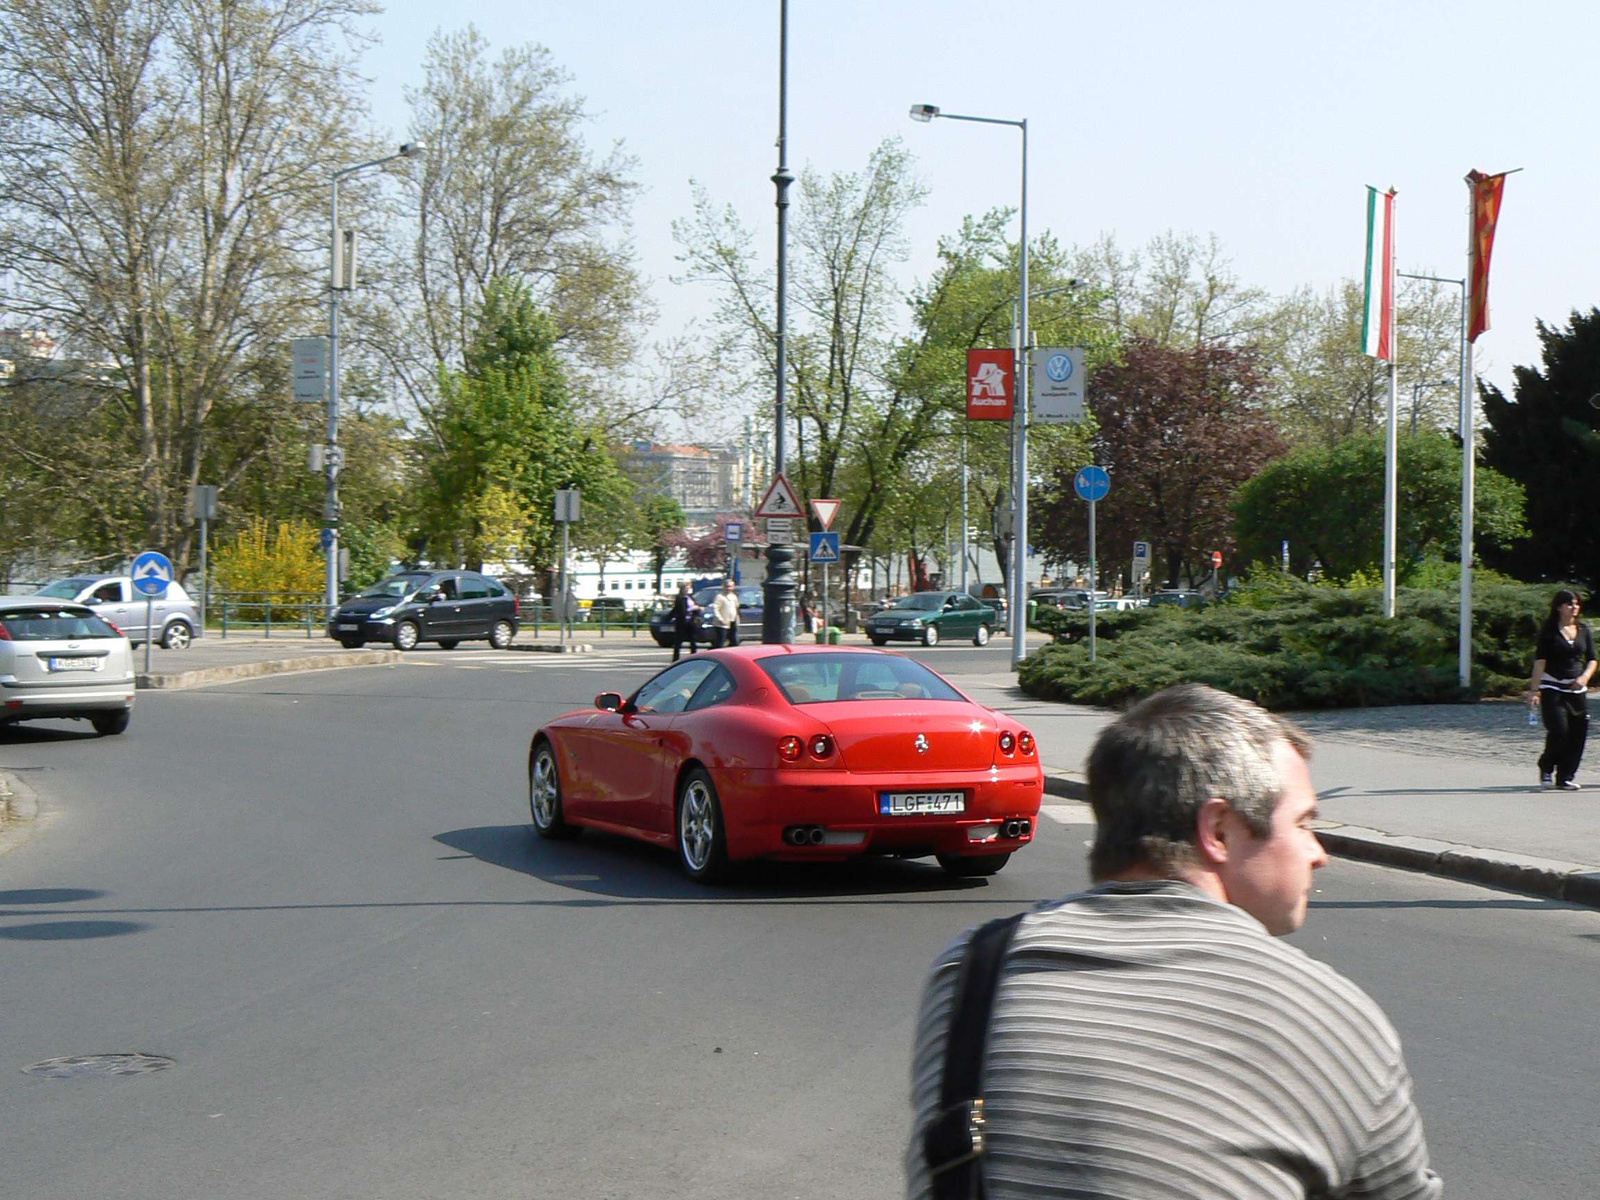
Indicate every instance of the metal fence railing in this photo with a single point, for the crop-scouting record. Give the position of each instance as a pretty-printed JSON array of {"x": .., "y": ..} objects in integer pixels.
[{"x": 286, "y": 614}]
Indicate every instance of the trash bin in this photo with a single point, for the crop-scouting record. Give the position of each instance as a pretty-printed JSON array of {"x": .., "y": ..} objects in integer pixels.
[
  {"x": 1033, "y": 612},
  {"x": 833, "y": 635},
  {"x": 852, "y": 620}
]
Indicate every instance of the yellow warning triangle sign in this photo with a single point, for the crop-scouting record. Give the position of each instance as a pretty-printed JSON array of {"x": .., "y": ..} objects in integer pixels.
[{"x": 779, "y": 501}]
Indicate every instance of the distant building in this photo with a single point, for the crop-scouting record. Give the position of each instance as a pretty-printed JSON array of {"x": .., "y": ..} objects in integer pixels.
[{"x": 704, "y": 480}]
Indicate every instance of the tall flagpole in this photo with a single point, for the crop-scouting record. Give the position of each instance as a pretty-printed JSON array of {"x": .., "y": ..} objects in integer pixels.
[
  {"x": 1468, "y": 457},
  {"x": 1391, "y": 448}
]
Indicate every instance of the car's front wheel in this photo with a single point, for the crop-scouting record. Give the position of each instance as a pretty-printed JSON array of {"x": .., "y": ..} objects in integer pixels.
[
  {"x": 972, "y": 866},
  {"x": 178, "y": 636},
  {"x": 502, "y": 633},
  {"x": 981, "y": 638},
  {"x": 107, "y": 724},
  {"x": 544, "y": 794},
  {"x": 930, "y": 636},
  {"x": 406, "y": 635},
  {"x": 702, "y": 844}
]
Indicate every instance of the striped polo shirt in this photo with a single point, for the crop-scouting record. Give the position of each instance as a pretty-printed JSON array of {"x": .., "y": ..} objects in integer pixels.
[{"x": 1149, "y": 1041}]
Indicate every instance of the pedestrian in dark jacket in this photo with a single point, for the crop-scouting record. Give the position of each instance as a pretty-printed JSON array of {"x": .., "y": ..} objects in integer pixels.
[
  {"x": 1563, "y": 665},
  {"x": 685, "y": 620}
]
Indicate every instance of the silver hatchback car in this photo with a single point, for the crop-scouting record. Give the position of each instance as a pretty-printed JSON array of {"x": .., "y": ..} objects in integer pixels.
[
  {"x": 175, "y": 617},
  {"x": 60, "y": 659}
]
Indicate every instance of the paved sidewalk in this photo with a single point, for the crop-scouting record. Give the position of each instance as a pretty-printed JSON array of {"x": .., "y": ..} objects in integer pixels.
[
  {"x": 1445, "y": 788},
  {"x": 1449, "y": 789}
]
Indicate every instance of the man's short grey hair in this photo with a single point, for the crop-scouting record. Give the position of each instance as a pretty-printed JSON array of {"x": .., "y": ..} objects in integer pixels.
[{"x": 1152, "y": 770}]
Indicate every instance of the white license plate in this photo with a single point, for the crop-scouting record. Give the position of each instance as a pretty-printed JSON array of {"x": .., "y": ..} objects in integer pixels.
[
  {"x": 75, "y": 664},
  {"x": 349, "y": 628},
  {"x": 907, "y": 804}
]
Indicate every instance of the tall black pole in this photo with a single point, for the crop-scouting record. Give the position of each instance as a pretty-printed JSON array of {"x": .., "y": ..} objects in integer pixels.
[{"x": 777, "y": 623}]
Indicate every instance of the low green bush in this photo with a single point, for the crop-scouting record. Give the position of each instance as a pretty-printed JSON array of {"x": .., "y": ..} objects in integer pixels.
[{"x": 1288, "y": 644}]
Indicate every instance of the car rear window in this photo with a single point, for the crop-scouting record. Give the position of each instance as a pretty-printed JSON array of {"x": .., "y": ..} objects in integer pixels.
[
  {"x": 825, "y": 678},
  {"x": 53, "y": 624},
  {"x": 66, "y": 589}
]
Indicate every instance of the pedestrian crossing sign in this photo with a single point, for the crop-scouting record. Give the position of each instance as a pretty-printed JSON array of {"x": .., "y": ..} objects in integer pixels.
[{"x": 824, "y": 547}]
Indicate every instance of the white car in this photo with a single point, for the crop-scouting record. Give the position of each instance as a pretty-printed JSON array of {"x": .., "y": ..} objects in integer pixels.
[
  {"x": 174, "y": 616},
  {"x": 60, "y": 659}
]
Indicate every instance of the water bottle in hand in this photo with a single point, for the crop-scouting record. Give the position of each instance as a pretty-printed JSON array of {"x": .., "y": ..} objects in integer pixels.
[{"x": 1533, "y": 718}]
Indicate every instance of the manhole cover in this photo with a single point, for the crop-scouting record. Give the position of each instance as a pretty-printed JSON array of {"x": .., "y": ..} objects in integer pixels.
[{"x": 99, "y": 1066}]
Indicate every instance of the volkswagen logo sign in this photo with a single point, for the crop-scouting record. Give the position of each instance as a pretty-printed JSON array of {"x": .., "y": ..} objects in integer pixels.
[{"x": 921, "y": 743}]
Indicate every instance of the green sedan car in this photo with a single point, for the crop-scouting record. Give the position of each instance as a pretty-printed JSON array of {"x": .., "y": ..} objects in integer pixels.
[{"x": 933, "y": 617}]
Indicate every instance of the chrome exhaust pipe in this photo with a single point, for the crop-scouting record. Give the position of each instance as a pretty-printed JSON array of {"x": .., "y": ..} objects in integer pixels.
[{"x": 815, "y": 836}]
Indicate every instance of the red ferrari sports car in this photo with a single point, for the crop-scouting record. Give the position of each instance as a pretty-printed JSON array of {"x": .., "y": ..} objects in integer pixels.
[{"x": 792, "y": 752}]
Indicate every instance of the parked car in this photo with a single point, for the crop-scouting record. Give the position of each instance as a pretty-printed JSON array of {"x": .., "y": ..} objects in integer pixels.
[
  {"x": 932, "y": 617},
  {"x": 752, "y": 610},
  {"x": 174, "y": 616},
  {"x": 811, "y": 753},
  {"x": 59, "y": 658},
  {"x": 448, "y": 607},
  {"x": 1182, "y": 598}
]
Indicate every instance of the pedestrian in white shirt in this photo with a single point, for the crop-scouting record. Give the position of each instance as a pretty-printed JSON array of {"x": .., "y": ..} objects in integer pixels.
[{"x": 725, "y": 616}]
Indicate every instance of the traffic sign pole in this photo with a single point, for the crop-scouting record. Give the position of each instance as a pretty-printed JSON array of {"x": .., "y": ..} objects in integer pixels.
[
  {"x": 1091, "y": 581},
  {"x": 1092, "y": 485}
]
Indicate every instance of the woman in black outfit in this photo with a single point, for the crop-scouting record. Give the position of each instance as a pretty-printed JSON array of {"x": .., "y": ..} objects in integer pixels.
[{"x": 1563, "y": 664}]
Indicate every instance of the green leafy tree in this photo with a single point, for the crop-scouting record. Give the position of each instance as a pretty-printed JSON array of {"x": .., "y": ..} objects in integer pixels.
[
  {"x": 660, "y": 531},
  {"x": 505, "y": 439},
  {"x": 1547, "y": 438},
  {"x": 508, "y": 188},
  {"x": 155, "y": 171},
  {"x": 1327, "y": 503}
]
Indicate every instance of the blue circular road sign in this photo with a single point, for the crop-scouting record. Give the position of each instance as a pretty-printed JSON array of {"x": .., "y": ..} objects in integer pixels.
[
  {"x": 1091, "y": 484},
  {"x": 151, "y": 573}
]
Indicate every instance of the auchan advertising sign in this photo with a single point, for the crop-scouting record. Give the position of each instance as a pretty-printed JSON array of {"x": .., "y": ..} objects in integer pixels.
[{"x": 991, "y": 385}]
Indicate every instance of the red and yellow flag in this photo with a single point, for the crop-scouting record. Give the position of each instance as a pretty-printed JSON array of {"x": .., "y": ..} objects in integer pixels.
[{"x": 1486, "y": 191}]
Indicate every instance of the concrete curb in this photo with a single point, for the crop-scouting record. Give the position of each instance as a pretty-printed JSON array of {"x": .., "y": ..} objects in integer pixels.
[
  {"x": 203, "y": 676},
  {"x": 1576, "y": 883}
]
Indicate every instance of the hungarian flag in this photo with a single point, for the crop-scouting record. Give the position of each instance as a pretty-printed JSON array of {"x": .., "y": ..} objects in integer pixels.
[
  {"x": 1486, "y": 191},
  {"x": 1377, "y": 316}
]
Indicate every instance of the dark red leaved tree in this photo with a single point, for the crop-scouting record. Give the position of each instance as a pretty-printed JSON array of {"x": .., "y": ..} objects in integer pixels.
[{"x": 1180, "y": 430}]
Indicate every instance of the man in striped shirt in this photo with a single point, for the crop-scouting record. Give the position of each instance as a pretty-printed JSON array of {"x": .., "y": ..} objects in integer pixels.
[{"x": 1150, "y": 1038}]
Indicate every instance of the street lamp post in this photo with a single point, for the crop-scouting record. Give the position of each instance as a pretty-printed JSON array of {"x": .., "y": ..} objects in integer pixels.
[
  {"x": 341, "y": 278},
  {"x": 1019, "y": 421},
  {"x": 777, "y": 614}
]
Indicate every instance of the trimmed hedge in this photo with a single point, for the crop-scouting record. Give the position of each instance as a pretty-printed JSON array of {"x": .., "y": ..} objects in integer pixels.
[{"x": 1295, "y": 645}]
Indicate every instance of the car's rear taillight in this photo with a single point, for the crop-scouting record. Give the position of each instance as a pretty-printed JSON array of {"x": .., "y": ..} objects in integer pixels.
[
  {"x": 5, "y": 634},
  {"x": 1025, "y": 742},
  {"x": 115, "y": 628},
  {"x": 1008, "y": 742},
  {"x": 516, "y": 606},
  {"x": 789, "y": 748},
  {"x": 821, "y": 746}
]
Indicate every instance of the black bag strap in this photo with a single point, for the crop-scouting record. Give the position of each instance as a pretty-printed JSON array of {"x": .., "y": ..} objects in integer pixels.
[{"x": 953, "y": 1143}]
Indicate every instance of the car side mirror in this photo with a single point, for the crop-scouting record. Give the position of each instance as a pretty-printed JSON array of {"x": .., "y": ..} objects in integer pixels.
[{"x": 609, "y": 701}]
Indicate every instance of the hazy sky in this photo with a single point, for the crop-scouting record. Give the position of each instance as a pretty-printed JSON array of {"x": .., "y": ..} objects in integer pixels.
[{"x": 1259, "y": 122}]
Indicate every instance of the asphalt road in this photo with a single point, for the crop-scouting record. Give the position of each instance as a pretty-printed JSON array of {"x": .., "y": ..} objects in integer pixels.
[{"x": 318, "y": 894}]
